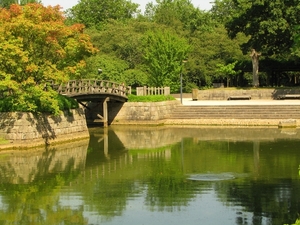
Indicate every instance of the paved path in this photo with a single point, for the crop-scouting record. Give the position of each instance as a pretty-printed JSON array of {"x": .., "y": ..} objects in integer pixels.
[{"x": 189, "y": 101}]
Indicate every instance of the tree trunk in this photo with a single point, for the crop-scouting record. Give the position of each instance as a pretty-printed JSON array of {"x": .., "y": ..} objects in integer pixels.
[{"x": 255, "y": 57}]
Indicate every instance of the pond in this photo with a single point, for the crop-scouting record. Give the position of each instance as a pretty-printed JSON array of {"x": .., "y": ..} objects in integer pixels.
[{"x": 156, "y": 175}]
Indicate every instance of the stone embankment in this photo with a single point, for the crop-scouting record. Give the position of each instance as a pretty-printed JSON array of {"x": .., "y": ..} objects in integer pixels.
[
  {"x": 173, "y": 113},
  {"x": 256, "y": 94},
  {"x": 237, "y": 115},
  {"x": 133, "y": 112},
  {"x": 19, "y": 129}
]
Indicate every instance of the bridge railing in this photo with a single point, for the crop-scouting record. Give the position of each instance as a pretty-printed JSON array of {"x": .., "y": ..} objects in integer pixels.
[
  {"x": 91, "y": 86},
  {"x": 142, "y": 91}
]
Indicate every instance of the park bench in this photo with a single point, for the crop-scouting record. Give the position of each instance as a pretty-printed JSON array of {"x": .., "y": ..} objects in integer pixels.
[
  {"x": 289, "y": 96},
  {"x": 239, "y": 97}
]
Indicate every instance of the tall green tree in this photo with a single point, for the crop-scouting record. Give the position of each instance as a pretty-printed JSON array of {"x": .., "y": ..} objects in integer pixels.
[
  {"x": 269, "y": 24},
  {"x": 95, "y": 13},
  {"x": 223, "y": 10},
  {"x": 179, "y": 14},
  {"x": 210, "y": 48},
  {"x": 164, "y": 53},
  {"x": 7, "y": 3}
]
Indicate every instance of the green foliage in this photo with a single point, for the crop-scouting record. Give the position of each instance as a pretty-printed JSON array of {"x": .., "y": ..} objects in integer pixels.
[
  {"x": 3, "y": 141},
  {"x": 178, "y": 14},
  {"x": 7, "y": 3},
  {"x": 268, "y": 23},
  {"x": 95, "y": 13},
  {"x": 296, "y": 223},
  {"x": 35, "y": 47},
  {"x": 135, "y": 50},
  {"x": 51, "y": 102},
  {"x": 211, "y": 48},
  {"x": 296, "y": 46},
  {"x": 150, "y": 98},
  {"x": 226, "y": 71},
  {"x": 164, "y": 53}
]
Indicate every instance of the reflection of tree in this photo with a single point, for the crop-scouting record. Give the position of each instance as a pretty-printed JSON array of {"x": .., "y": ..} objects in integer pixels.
[
  {"x": 256, "y": 157},
  {"x": 108, "y": 184},
  {"x": 161, "y": 179},
  {"x": 37, "y": 202},
  {"x": 30, "y": 185},
  {"x": 167, "y": 186},
  {"x": 109, "y": 197},
  {"x": 265, "y": 199},
  {"x": 269, "y": 194}
]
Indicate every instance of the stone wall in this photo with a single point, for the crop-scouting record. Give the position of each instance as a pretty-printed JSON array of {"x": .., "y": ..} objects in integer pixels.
[
  {"x": 144, "y": 112},
  {"x": 224, "y": 93},
  {"x": 26, "y": 129},
  {"x": 133, "y": 112}
]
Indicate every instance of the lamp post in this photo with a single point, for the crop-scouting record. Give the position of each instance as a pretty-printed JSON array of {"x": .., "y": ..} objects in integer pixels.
[
  {"x": 181, "y": 87},
  {"x": 183, "y": 61}
]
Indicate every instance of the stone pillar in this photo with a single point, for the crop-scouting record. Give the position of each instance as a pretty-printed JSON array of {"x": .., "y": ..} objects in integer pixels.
[{"x": 105, "y": 113}]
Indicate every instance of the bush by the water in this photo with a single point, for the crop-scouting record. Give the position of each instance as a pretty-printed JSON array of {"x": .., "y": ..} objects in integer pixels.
[
  {"x": 150, "y": 98},
  {"x": 9, "y": 104}
]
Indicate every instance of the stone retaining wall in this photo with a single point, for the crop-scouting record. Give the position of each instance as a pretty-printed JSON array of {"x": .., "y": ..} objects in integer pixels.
[
  {"x": 26, "y": 129},
  {"x": 144, "y": 112},
  {"x": 157, "y": 113},
  {"x": 276, "y": 123},
  {"x": 224, "y": 94}
]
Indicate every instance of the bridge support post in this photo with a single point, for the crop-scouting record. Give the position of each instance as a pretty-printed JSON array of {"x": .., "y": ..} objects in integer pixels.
[
  {"x": 105, "y": 112},
  {"x": 105, "y": 143}
]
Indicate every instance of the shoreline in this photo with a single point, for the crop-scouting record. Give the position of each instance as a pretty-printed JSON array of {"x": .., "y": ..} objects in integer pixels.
[{"x": 75, "y": 130}]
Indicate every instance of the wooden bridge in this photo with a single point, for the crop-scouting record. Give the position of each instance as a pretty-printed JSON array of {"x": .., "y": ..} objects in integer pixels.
[{"x": 92, "y": 90}]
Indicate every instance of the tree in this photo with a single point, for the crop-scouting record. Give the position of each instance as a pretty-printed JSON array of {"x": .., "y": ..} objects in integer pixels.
[
  {"x": 121, "y": 55},
  {"x": 164, "y": 53},
  {"x": 227, "y": 71},
  {"x": 7, "y": 3},
  {"x": 223, "y": 10},
  {"x": 36, "y": 47},
  {"x": 255, "y": 61},
  {"x": 269, "y": 24},
  {"x": 95, "y": 13},
  {"x": 178, "y": 14},
  {"x": 211, "y": 48}
]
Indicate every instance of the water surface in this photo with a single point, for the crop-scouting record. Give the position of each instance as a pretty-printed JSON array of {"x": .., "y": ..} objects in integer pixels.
[{"x": 156, "y": 175}]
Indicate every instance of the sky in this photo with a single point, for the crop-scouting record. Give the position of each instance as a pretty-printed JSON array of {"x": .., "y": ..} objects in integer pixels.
[{"x": 202, "y": 4}]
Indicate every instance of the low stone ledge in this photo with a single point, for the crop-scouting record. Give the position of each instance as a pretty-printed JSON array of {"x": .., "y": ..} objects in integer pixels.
[
  {"x": 291, "y": 123},
  {"x": 209, "y": 122},
  {"x": 228, "y": 122},
  {"x": 19, "y": 129}
]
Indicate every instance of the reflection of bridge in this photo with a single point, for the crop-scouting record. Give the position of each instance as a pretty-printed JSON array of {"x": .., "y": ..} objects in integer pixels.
[{"x": 92, "y": 90}]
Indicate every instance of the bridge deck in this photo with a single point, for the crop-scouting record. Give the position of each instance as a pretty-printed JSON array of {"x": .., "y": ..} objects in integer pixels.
[{"x": 92, "y": 89}]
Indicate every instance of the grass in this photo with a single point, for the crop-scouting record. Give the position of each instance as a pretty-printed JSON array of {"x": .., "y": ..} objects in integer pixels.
[
  {"x": 150, "y": 98},
  {"x": 3, "y": 141}
]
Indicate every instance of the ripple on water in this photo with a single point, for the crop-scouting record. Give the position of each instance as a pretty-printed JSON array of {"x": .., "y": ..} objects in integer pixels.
[{"x": 211, "y": 176}]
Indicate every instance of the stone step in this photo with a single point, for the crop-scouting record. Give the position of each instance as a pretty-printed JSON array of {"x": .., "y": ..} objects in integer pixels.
[
  {"x": 231, "y": 116},
  {"x": 241, "y": 107},
  {"x": 236, "y": 112}
]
